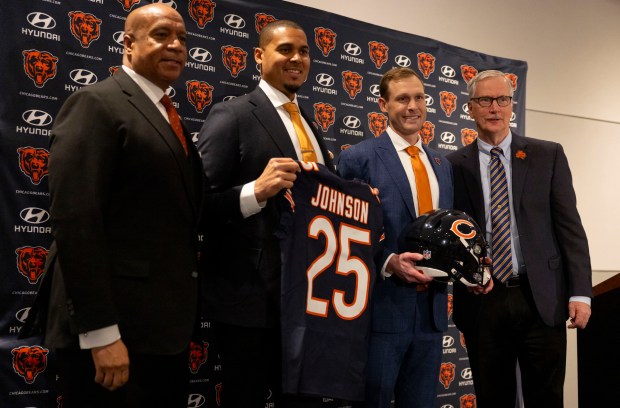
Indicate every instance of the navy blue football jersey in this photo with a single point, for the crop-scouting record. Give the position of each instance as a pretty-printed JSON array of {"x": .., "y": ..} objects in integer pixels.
[{"x": 331, "y": 229}]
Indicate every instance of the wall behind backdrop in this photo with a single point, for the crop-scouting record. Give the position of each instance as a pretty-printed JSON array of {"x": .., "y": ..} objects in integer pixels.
[{"x": 44, "y": 58}]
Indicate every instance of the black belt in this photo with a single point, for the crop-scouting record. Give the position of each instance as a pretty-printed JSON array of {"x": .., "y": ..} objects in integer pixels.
[{"x": 515, "y": 281}]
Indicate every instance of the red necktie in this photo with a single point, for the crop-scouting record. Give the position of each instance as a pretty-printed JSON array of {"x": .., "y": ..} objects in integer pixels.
[{"x": 175, "y": 121}]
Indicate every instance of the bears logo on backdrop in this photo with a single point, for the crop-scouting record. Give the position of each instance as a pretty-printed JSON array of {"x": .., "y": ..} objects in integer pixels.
[
  {"x": 29, "y": 361},
  {"x": 378, "y": 53},
  {"x": 468, "y": 72},
  {"x": 468, "y": 136},
  {"x": 426, "y": 64},
  {"x": 261, "y": 20},
  {"x": 197, "y": 355},
  {"x": 40, "y": 66},
  {"x": 447, "y": 101},
  {"x": 513, "y": 79},
  {"x": 85, "y": 27},
  {"x": 234, "y": 59},
  {"x": 324, "y": 114},
  {"x": 33, "y": 163},
  {"x": 450, "y": 305},
  {"x": 201, "y": 11},
  {"x": 128, "y": 4},
  {"x": 427, "y": 132},
  {"x": 218, "y": 394},
  {"x": 377, "y": 123},
  {"x": 113, "y": 70},
  {"x": 447, "y": 372},
  {"x": 468, "y": 401},
  {"x": 463, "y": 344},
  {"x": 199, "y": 94},
  {"x": 352, "y": 83},
  {"x": 31, "y": 261},
  {"x": 325, "y": 39}
]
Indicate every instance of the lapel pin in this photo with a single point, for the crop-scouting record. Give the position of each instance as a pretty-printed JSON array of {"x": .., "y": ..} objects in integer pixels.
[{"x": 521, "y": 155}]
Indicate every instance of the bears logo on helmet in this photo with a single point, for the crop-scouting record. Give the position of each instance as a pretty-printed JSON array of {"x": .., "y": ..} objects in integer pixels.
[{"x": 456, "y": 243}]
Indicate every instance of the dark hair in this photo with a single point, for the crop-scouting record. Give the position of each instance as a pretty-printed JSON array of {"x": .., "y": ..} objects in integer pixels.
[{"x": 267, "y": 32}]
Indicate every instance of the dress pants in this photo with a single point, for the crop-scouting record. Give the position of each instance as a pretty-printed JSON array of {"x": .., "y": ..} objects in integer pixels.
[
  {"x": 508, "y": 329},
  {"x": 155, "y": 381}
]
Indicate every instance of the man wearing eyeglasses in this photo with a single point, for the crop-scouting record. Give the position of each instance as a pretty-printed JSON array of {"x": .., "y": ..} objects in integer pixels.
[{"x": 521, "y": 190}]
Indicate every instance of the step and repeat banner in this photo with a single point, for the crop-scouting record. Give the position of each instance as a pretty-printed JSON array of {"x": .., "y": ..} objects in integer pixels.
[{"x": 51, "y": 48}]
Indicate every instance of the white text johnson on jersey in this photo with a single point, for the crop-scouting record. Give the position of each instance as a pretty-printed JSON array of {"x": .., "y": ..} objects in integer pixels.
[{"x": 339, "y": 203}]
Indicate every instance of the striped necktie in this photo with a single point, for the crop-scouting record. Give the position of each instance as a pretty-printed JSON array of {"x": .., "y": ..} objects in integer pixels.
[
  {"x": 307, "y": 151},
  {"x": 500, "y": 218},
  {"x": 422, "y": 185}
]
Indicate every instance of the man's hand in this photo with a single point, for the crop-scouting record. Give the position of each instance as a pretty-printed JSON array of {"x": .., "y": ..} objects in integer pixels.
[
  {"x": 579, "y": 314},
  {"x": 111, "y": 365},
  {"x": 481, "y": 290},
  {"x": 403, "y": 266},
  {"x": 278, "y": 174}
]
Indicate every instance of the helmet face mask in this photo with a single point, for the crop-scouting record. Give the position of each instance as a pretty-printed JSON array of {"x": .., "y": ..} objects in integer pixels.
[{"x": 452, "y": 244}]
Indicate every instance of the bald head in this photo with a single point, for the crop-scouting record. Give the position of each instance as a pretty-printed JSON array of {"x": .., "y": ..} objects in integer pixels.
[{"x": 155, "y": 43}]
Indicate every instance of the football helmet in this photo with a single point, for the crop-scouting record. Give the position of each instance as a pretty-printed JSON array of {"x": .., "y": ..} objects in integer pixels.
[{"x": 452, "y": 244}]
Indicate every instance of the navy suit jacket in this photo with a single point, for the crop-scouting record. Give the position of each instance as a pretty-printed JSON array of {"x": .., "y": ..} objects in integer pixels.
[
  {"x": 553, "y": 241},
  {"x": 376, "y": 162},
  {"x": 242, "y": 255}
]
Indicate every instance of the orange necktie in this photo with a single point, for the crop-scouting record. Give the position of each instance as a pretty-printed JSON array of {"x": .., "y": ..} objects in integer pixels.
[
  {"x": 175, "y": 121},
  {"x": 425, "y": 199},
  {"x": 307, "y": 151}
]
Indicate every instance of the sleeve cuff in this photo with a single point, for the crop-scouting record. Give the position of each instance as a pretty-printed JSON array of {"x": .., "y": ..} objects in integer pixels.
[
  {"x": 384, "y": 272},
  {"x": 582, "y": 299},
  {"x": 100, "y": 337},
  {"x": 247, "y": 201}
]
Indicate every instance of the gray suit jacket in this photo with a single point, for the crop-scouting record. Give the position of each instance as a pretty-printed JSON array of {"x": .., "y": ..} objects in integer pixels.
[{"x": 553, "y": 241}]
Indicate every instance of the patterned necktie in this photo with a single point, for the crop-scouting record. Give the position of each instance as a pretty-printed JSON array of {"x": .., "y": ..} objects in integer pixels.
[
  {"x": 500, "y": 218},
  {"x": 307, "y": 151},
  {"x": 425, "y": 199},
  {"x": 175, "y": 121}
]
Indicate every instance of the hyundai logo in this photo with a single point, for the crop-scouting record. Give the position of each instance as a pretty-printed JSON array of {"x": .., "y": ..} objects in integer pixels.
[
  {"x": 195, "y": 400},
  {"x": 36, "y": 117},
  {"x": 402, "y": 61},
  {"x": 351, "y": 122},
  {"x": 167, "y": 3},
  {"x": 448, "y": 137},
  {"x": 447, "y": 406},
  {"x": 83, "y": 77},
  {"x": 466, "y": 108},
  {"x": 118, "y": 37},
  {"x": 448, "y": 341},
  {"x": 352, "y": 49},
  {"x": 22, "y": 314},
  {"x": 200, "y": 54},
  {"x": 41, "y": 20},
  {"x": 234, "y": 21},
  {"x": 513, "y": 117},
  {"x": 466, "y": 374},
  {"x": 34, "y": 215},
  {"x": 374, "y": 89},
  {"x": 448, "y": 71},
  {"x": 170, "y": 92},
  {"x": 428, "y": 99},
  {"x": 325, "y": 79},
  {"x": 229, "y": 97}
]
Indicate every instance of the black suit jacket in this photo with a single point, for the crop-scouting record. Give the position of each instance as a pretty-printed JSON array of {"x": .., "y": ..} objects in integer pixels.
[
  {"x": 553, "y": 241},
  {"x": 242, "y": 256},
  {"x": 124, "y": 207}
]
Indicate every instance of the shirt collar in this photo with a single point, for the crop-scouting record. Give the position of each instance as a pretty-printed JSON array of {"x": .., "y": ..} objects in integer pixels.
[
  {"x": 400, "y": 143},
  {"x": 485, "y": 148},
  {"x": 151, "y": 90},
  {"x": 276, "y": 97}
]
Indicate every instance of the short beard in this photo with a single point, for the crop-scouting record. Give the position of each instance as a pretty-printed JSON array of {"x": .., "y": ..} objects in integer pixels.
[{"x": 292, "y": 88}]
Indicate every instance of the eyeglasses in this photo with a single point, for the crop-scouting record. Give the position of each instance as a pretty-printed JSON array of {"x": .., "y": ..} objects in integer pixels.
[{"x": 486, "y": 101}]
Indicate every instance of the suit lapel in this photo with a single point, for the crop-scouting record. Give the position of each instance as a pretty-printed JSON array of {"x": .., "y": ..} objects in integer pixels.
[
  {"x": 153, "y": 116},
  {"x": 520, "y": 167},
  {"x": 471, "y": 176},
  {"x": 268, "y": 117},
  {"x": 388, "y": 155}
]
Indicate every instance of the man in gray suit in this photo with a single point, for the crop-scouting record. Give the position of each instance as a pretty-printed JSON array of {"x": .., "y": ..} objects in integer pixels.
[
  {"x": 125, "y": 188},
  {"x": 521, "y": 190}
]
